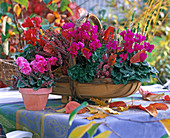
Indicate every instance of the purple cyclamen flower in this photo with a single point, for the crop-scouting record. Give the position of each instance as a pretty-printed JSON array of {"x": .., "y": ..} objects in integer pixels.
[
  {"x": 68, "y": 25},
  {"x": 148, "y": 47}
]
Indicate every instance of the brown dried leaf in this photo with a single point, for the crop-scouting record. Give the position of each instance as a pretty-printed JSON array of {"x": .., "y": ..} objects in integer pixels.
[
  {"x": 154, "y": 97},
  {"x": 97, "y": 115},
  {"x": 122, "y": 109},
  {"x": 98, "y": 102}
]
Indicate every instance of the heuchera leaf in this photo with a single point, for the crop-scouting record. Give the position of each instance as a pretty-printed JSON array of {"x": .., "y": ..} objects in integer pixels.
[
  {"x": 117, "y": 104},
  {"x": 136, "y": 57},
  {"x": 75, "y": 111},
  {"x": 166, "y": 124},
  {"x": 104, "y": 134},
  {"x": 79, "y": 131}
]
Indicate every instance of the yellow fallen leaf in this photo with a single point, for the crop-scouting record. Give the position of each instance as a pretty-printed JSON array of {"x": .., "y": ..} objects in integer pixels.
[
  {"x": 96, "y": 116},
  {"x": 104, "y": 134},
  {"x": 122, "y": 109},
  {"x": 62, "y": 110},
  {"x": 109, "y": 110},
  {"x": 92, "y": 110},
  {"x": 79, "y": 131},
  {"x": 98, "y": 102},
  {"x": 166, "y": 124},
  {"x": 17, "y": 10}
]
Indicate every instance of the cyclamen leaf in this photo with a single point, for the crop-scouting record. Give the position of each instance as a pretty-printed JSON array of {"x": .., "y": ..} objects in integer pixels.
[
  {"x": 104, "y": 134},
  {"x": 75, "y": 111},
  {"x": 79, "y": 131}
]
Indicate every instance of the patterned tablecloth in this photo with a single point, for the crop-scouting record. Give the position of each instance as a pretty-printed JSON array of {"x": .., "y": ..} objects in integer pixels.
[
  {"x": 2, "y": 132},
  {"x": 49, "y": 124}
]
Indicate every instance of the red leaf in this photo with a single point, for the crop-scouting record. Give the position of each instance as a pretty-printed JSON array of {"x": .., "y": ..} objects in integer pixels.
[
  {"x": 137, "y": 107},
  {"x": 151, "y": 110},
  {"x": 110, "y": 30},
  {"x": 160, "y": 106},
  {"x": 167, "y": 98},
  {"x": 117, "y": 104},
  {"x": 73, "y": 105},
  {"x": 49, "y": 48}
]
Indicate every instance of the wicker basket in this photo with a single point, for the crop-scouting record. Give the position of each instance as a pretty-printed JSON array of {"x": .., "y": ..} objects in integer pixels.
[
  {"x": 7, "y": 69},
  {"x": 99, "y": 88}
]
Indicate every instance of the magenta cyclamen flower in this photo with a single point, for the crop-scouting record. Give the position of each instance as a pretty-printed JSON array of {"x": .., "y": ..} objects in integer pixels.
[
  {"x": 68, "y": 25},
  {"x": 123, "y": 57},
  {"x": 142, "y": 57},
  {"x": 113, "y": 45},
  {"x": 52, "y": 60},
  {"x": 95, "y": 45},
  {"x": 73, "y": 49},
  {"x": 139, "y": 38},
  {"x": 26, "y": 69},
  {"x": 148, "y": 47}
]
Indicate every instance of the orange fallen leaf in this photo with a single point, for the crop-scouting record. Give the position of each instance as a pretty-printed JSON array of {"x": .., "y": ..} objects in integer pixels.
[
  {"x": 151, "y": 110},
  {"x": 117, "y": 104},
  {"x": 166, "y": 124},
  {"x": 96, "y": 116},
  {"x": 160, "y": 106}
]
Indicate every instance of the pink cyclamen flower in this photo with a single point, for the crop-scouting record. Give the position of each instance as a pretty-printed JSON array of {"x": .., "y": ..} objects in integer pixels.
[
  {"x": 68, "y": 25},
  {"x": 26, "y": 69},
  {"x": 34, "y": 66},
  {"x": 20, "y": 61},
  {"x": 39, "y": 58}
]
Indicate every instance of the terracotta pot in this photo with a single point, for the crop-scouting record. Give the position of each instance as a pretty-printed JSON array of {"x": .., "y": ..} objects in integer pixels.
[{"x": 35, "y": 100}]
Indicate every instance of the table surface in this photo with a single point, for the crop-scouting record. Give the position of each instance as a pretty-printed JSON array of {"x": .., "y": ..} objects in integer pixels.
[{"x": 49, "y": 124}]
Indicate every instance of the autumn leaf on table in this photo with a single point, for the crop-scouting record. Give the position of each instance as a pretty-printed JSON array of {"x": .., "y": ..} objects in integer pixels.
[
  {"x": 152, "y": 108},
  {"x": 98, "y": 102},
  {"x": 122, "y": 109},
  {"x": 96, "y": 116},
  {"x": 166, "y": 124},
  {"x": 73, "y": 105},
  {"x": 146, "y": 95},
  {"x": 167, "y": 98},
  {"x": 117, "y": 104}
]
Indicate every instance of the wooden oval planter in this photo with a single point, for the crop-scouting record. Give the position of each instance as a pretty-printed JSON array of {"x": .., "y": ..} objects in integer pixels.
[{"x": 99, "y": 88}]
